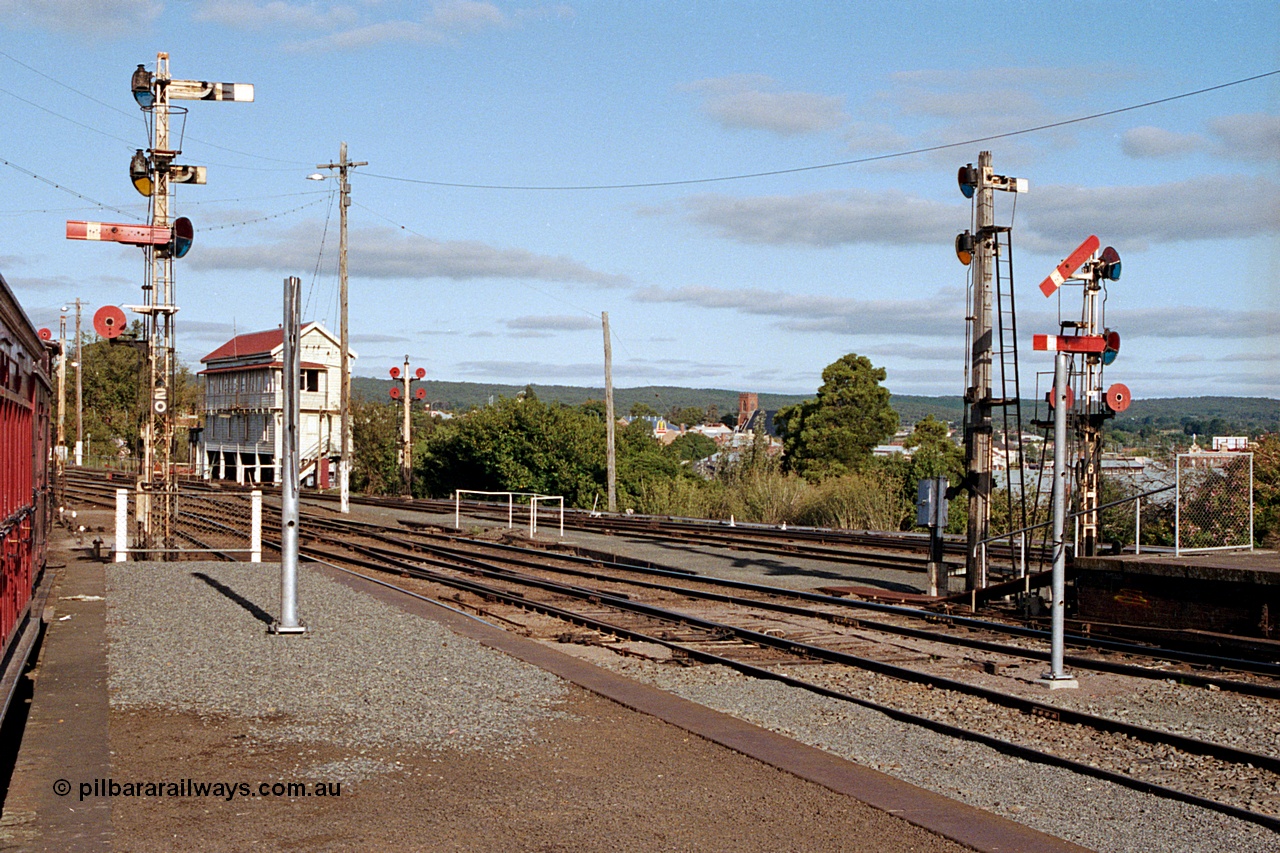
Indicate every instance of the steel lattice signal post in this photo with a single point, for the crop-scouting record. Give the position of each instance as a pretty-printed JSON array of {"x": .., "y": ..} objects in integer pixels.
[
  {"x": 1096, "y": 346},
  {"x": 153, "y": 172},
  {"x": 980, "y": 184}
]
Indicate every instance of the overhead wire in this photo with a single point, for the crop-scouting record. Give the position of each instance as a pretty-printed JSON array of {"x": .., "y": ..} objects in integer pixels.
[
  {"x": 81, "y": 196},
  {"x": 324, "y": 234},
  {"x": 128, "y": 114},
  {"x": 594, "y": 314},
  {"x": 262, "y": 218},
  {"x": 840, "y": 163}
]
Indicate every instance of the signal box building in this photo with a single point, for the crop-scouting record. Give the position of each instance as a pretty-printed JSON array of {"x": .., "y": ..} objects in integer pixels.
[{"x": 244, "y": 407}]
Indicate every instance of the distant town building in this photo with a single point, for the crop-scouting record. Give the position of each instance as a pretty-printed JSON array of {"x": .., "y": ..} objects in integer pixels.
[
  {"x": 244, "y": 407},
  {"x": 1223, "y": 443}
]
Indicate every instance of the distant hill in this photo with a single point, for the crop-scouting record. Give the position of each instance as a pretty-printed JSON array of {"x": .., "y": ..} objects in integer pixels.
[{"x": 1214, "y": 415}]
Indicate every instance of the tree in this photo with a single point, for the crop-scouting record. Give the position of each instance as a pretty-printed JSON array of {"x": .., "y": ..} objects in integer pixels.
[
  {"x": 687, "y": 416},
  {"x": 1266, "y": 491},
  {"x": 375, "y": 441},
  {"x": 835, "y": 433},
  {"x": 643, "y": 410},
  {"x": 518, "y": 446},
  {"x": 934, "y": 454},
  {"x": 692, "y": 446}
]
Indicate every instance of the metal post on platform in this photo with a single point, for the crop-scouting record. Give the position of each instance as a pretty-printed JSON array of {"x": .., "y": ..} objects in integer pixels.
[
  {"x": 290, "y": 378},
  {"x": 457, "y": 510},
  {"x": 122, "y": 525},
  {"x": 255, "y": 526},
  {"x": 1056, "y": 677}
]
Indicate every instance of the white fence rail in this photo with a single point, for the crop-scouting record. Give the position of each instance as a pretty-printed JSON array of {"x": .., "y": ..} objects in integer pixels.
[{"x": 534, "y": 500}]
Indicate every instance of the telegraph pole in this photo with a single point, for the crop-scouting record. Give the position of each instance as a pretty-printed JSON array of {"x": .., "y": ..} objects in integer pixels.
[
  {"x": 980, "y": 185},
  {"x": 344, "y": 201},
  {"x": 610, "y": 453},
  {"x": 79, "y": 392}
]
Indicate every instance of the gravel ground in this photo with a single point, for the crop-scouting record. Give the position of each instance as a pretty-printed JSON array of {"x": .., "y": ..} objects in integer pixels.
[
  {"x": 368, "y": 675},
  {"x": 1096, "y": 814}
]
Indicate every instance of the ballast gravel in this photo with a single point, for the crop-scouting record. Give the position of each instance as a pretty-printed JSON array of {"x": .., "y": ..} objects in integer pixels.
[
  {"x": 1097, "y": 814},
  {"x": 192, "y": 637}
]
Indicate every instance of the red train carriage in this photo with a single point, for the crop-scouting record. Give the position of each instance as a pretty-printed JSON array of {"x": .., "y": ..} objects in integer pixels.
[{"x": 25, "y": 408}]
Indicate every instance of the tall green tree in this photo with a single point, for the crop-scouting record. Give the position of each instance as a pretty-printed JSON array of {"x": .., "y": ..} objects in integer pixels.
[
  {"x": 835, "y": 433},
  {"x": 518, "y": 446}
]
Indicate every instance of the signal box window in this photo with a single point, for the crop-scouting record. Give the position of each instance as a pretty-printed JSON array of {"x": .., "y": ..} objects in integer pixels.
[{"x": 311, "y": 380}]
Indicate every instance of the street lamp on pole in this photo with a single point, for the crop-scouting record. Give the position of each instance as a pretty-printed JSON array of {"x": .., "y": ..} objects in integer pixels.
[{"x": 344, "y": 190}]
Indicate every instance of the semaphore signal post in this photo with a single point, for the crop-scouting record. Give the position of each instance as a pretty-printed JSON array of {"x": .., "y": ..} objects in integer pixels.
[{"x": 153, "y": 171}]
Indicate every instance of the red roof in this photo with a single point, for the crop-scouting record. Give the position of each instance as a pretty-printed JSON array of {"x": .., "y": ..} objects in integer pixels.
[
  {"x": 250, "y": 343},
  {"x": 238, "y": 368}
]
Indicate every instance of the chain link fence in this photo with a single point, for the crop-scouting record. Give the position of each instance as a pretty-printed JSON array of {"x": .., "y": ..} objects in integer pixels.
[{"x": 1214, "y": 502}]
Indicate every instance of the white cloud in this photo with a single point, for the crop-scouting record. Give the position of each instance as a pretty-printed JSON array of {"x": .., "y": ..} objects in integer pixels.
[
  {"x": 1052, "y": 219},
  {"x": 1199, "y": 321},
  {"x": 1251, "y": 136},
  {"x": 1154, "y": 142},
  {"x": 750, "y": 102},
  {"x": 439, "y": 23},
  {"x": 252, "y": 15},
  {"x": 1204, "y": 208},
  {"x": 829, "y": 218},
  {"x": 467, "y": 15},
  {"x": 98, "y": 17},
  {"x": 556, "y": 322},
  {"x": 389, "y": 253},
  {"x": 837, "y": 315}
]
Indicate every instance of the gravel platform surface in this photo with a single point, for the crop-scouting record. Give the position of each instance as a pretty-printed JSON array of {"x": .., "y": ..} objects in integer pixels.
[
  {"x": 191, "y": 637},
  {"x": 437, "y": 743},
  {"x": 1087, "y": 811}
]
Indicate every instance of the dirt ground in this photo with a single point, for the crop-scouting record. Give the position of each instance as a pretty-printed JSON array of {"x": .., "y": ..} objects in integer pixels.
[{"x": 607, "y": 779}]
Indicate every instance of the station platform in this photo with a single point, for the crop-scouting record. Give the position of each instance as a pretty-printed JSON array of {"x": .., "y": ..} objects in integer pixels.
[
  {"x": 1228, "y": 592},
  {"x": 166, "y": 717}
]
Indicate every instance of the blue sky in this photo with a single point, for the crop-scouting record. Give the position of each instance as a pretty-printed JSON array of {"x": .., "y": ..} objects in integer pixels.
[{"x": 751, "y": 284}]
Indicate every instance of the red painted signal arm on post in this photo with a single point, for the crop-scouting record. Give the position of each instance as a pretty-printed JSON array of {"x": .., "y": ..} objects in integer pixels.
[
  {"x": 1073, "y": 262},
  {"x": 1069, "y": 343},
  {"x": 133, "y": 235}
]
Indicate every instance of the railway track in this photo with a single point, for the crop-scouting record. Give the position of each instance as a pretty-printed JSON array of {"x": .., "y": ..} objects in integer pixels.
[{"x": 919, "y": 667}]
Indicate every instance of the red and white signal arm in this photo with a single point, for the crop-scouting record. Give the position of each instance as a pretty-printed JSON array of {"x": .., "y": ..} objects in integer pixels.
[
  {"x": 1069, "y": 343},
  {"x": 419, "y": 393},
  {"x": 1073, "y": 262},
  {"x": 46, "y": 334},
  {"x": 395, "y": 393}
]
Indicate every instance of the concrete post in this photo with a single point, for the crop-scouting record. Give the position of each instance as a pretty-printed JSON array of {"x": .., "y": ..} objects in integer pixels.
[
  {"x": 122, "y": 525},
  {"x": 255, "y": 519}
]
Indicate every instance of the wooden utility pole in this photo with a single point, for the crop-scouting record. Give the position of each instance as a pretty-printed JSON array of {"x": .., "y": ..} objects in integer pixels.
[
  {"x": 344, "y": 201},
  {"x": 610, "y": 455},
  {"x": 79, "y": 392}
]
